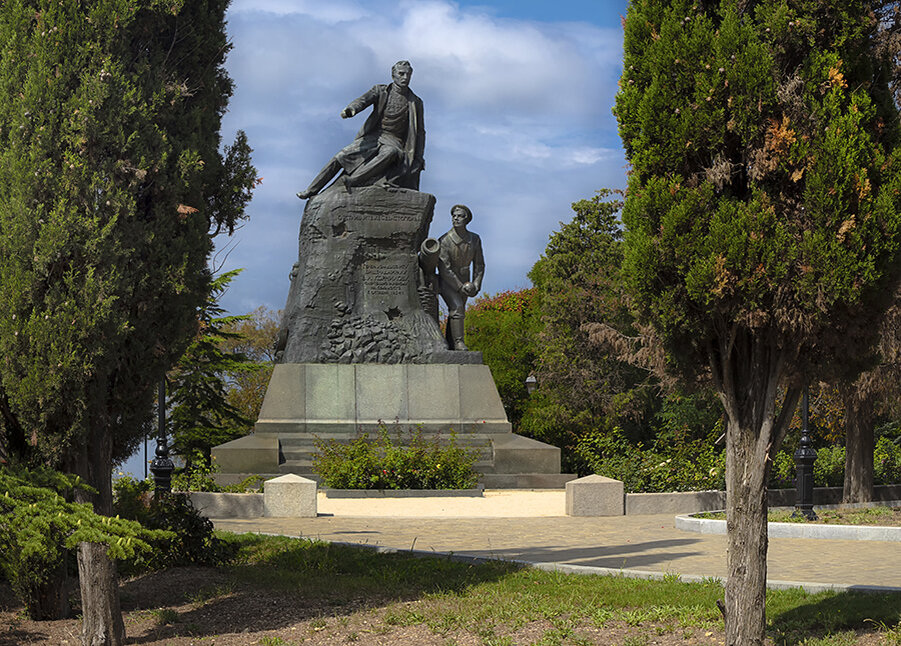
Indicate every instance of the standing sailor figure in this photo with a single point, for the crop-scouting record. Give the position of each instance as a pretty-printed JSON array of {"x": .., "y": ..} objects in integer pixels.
[{"x": 459, "y": 248}]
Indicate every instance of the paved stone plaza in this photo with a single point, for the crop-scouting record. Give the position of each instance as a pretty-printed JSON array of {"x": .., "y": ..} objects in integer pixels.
[{"x": 522, "y": 526}]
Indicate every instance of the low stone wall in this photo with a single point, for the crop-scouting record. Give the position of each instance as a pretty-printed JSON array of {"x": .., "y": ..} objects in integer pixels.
[
  {"x": 227, "y": 505},
  {"x": 690, "y": 502},
  {"x": 477, "y": 492},
  {"x": 251, "y": 505},
  {"x": 681, "y": 502},
  {"x": 823, "y": 496}
]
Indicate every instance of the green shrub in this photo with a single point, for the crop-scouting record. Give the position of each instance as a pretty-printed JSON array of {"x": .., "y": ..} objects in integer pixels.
[
  {"x": 197, "y": 476},
  {"x": 383, "y": 463},
  {"x": 783, "y": 471},
  {"x": 190, "y": 539},
  {"x": 829, "y": 467},
  {"x": 886, "y": 461},
  {"x": 678, "y": 466},
  {"x": 696, "y": 465},
  {"x": 38, "y": 525}
]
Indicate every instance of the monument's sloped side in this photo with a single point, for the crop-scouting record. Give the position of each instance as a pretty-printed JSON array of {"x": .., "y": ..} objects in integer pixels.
[
  {"x": 348, "y": 399},
  {"x": 354, "y": 290}
]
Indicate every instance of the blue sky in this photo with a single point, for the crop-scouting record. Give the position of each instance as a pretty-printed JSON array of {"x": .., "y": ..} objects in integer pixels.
[{"x": 517, "y": 97}]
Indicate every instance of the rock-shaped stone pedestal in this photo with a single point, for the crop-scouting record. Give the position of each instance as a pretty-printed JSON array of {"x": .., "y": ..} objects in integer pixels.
[{"x": 354, "y": 295}]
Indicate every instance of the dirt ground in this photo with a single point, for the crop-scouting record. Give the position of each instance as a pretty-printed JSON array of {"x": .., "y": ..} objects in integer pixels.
[{"x": 192, "y": 605}]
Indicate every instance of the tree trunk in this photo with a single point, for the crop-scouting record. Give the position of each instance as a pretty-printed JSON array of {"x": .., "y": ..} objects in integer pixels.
[
  {"x": 102, "y": 623},
  {"x": 50, "y": 600},
  {"x": 859, "y": 447},
  {"x": 746, "y": 527},
  {"x": 747, "y": 372}
]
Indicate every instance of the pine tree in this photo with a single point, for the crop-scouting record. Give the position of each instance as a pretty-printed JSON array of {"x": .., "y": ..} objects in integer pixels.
[
  {"x": 202, "y": 415},
  {"x": 38, "y": 528},
  {"x": 762, "y": 227},
  {"x": 111, "y": 182}
]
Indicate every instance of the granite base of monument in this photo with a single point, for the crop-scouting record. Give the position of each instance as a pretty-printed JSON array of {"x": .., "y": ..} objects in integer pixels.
[{"x": 308, "y": 401}]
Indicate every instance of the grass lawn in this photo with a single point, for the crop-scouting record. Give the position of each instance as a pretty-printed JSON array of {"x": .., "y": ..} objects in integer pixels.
[
  {"x": 883, "y": 516},
  {"x": 282, "y": 591}
]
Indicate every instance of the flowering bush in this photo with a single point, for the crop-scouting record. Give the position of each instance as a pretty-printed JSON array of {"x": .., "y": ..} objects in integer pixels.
[
  {"x": 382, "y": 463},
  {"x": 687, "y": 466}
]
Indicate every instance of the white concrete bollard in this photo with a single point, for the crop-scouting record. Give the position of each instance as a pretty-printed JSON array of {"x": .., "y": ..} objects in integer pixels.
[
  {"x": 289, "y": 496},
  {"x": 595, "y": 496}
]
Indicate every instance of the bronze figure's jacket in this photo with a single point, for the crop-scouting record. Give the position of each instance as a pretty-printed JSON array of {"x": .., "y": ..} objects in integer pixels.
[
  {"x": 454, "y": 257},
  {"x": 414, "y": 146}
]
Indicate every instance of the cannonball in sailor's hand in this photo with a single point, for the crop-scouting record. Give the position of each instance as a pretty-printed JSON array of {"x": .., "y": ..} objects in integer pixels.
[{"x": 469, "y": 289}]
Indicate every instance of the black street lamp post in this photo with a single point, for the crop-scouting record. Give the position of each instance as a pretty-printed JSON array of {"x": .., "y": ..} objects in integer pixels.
[
  {"x": 162, "y": 467},
  {"x": 805, "y": 456}
]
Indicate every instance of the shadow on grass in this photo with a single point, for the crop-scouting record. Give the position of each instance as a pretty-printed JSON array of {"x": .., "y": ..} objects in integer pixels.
[
  {"x": 794, "y": 616},
  {"x": 277, "y": 582}
]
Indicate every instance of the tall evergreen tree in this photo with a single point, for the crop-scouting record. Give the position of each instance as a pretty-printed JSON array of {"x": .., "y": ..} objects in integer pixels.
[
  {"x": 762, "y": 226},
  {"x": 579, "y": 287},
  {"x": 111, "y": 182},
  {"x": 202, "y": 415}
]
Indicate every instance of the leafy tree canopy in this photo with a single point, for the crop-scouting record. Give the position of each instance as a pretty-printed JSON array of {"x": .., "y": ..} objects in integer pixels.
[
  {"x": 505, "y": 328},
  {"x": 578, "y": 283},
  {"x": 252, "y": 335}
]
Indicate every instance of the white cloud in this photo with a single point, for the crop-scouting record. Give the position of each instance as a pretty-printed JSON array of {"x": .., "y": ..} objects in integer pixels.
[
  {"x": 330, "y": 12},
  {"x": 517, "y": 117}
]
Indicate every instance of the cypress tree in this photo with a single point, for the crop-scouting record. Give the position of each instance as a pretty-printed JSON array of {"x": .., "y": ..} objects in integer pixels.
[
  {"x": 762, "y": 226},
  {"x": 111, "y": 182}
]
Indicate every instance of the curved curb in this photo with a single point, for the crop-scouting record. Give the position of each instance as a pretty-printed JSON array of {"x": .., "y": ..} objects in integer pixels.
[{"x": 689, "y": 523}]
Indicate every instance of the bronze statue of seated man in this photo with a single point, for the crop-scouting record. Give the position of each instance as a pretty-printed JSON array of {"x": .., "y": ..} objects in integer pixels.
[{"x": 389, "y": 147}]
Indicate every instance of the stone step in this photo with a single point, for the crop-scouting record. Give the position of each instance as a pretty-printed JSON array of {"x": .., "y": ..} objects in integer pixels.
[
  {"x": 483, "y": 454},
  {"x": 312, "y": 439},
  {"x": 525, "y": 480}
]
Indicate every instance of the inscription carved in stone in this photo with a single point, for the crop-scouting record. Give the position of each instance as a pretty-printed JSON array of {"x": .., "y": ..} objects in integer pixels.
[{"x": 380, "y": 279}]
